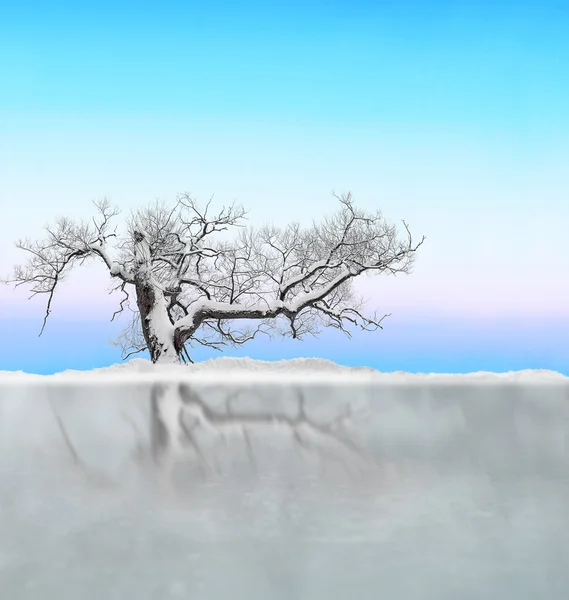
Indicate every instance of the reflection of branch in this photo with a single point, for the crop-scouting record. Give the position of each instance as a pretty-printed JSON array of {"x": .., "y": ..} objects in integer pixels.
[
  {"x": 139, "y": 453},
  {"x": 94, "y": 475},
  {"x": 185, "y": 401},
  {"x": 250, "y": 451},
  {"x": 189, "y": 435},
  {"x": 138, "y": 434},
  {"x": 76, "y": 459},
  {"x": 230, "y": 421}
]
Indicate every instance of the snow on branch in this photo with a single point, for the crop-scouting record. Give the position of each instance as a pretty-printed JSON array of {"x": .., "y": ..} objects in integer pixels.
[
  {"x": 66, "y": 244},
  {"x": 272, "y": 272}
]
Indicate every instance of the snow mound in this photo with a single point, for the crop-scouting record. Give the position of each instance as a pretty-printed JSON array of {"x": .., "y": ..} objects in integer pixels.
[
  {"x": 231, "y": 363},
  {"x": 319, "y": 368},
  {"x": 313, "y": 365}
]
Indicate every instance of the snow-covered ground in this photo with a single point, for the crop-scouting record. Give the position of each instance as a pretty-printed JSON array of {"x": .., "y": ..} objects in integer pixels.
[{"x": 300, "y": 479}]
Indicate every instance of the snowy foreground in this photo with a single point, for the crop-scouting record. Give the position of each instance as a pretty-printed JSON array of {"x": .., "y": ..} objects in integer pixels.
[{"x": 300, "y": 480}]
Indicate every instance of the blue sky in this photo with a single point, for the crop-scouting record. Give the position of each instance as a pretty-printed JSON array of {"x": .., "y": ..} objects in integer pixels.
[
  {"x": 498, "y": 66},
  {"x": 452, "y": 115}
]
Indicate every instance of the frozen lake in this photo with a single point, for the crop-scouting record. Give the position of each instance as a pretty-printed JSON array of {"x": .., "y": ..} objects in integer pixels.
[{"x": 265, "y": 488}]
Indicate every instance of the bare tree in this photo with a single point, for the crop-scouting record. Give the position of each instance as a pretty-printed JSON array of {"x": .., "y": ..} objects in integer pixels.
[{"x": 191, "y": 288}]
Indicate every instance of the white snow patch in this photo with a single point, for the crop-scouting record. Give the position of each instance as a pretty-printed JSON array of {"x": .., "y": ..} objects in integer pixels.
[{"x": 297, "y": 369}]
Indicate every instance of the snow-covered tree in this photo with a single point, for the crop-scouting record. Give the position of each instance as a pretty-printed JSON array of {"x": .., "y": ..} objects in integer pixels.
[{"x": 190, "y": 287}]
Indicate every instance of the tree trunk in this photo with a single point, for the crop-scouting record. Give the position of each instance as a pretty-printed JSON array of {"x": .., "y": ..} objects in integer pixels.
[{"x": 157, "y": 328}]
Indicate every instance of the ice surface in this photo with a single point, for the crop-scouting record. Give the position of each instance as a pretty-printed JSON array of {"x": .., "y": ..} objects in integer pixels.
[{"x": 241, "y": 479}]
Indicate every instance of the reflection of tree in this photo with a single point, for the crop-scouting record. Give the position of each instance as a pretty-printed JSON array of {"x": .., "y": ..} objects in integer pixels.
[
  {"x": 182, "y": 421},
  {"x": 213, "y": 431}
]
